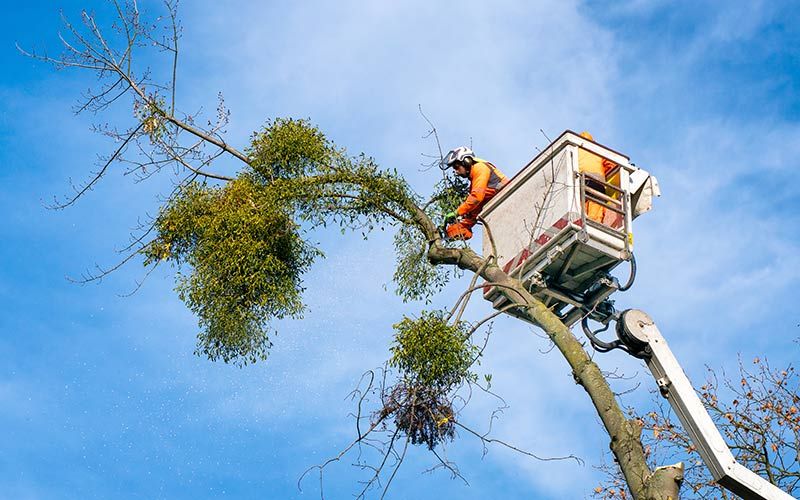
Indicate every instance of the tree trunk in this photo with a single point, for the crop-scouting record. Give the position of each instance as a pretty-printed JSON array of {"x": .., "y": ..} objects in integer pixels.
[{"x": 661, "y": 484}]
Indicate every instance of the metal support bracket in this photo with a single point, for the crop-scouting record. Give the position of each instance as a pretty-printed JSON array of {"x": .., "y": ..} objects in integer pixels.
[{"x": 663, "y": 386}]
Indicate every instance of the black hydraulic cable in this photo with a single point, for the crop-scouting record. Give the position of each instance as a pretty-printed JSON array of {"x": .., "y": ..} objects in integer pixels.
[
  {"x": 632, "y": 277},
  {"x": 600, "y": 330},
  {"x": 597, "y": 343}
]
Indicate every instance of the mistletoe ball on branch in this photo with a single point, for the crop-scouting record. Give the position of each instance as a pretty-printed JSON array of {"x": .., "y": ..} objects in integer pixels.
[{"x": 434, "y": 359}]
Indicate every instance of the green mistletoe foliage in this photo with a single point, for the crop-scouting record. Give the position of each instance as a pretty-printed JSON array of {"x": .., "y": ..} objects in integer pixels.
[
  {"x": 415, "y": 277},
  {"x": 430, "y": 351},
  {"x": 287, "y": 149},
  {"x": 242, "y": 247},
  {"x": 433, "y": 358},
  {"x": 245, "y": 257}
]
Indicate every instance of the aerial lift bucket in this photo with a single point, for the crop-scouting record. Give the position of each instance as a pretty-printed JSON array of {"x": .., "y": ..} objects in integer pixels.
[{"x": 540, "y": 231}]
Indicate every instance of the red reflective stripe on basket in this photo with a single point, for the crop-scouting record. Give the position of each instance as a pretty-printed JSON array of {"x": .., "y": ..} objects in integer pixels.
[{"x": 541, "y": 240}]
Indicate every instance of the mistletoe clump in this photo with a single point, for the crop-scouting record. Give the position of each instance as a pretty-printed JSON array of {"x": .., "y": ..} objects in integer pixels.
[
  {"x": 242, "y": 258},
  {"x": 434, "y": 359},
  {"x": 240, "y": 246},
  {"x": 243, "y": 247}
]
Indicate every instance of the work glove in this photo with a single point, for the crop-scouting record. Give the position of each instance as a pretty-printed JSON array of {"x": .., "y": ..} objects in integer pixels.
[{"x": 450, "y": 218}]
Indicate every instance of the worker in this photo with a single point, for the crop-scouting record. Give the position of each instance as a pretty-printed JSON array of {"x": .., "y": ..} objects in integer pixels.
[
  {"x": 485, "y": 180},
  {"x": 596, "y": 169}
]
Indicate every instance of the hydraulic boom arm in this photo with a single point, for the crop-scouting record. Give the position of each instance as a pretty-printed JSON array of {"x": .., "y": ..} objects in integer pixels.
[{"x": 639, "y": 334}]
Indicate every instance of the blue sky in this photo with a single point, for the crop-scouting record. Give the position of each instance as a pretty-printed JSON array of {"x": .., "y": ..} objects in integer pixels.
[{"x": 101, "y": 397}]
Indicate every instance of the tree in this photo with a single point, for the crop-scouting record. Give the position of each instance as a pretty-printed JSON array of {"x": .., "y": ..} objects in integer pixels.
[
  {"x": 241, "y": 244},
  {"x": 758, "y": 412}
]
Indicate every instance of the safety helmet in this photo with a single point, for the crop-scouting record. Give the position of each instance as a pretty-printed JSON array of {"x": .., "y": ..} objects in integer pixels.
[{"x": 457, "y": 155}]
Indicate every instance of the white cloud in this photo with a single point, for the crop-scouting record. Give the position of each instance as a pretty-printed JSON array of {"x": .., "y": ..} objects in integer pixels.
[{"x": 494, "y": 74}]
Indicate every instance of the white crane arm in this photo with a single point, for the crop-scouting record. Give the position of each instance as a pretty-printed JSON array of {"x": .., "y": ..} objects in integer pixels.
[{"x": 636, "y": 326}]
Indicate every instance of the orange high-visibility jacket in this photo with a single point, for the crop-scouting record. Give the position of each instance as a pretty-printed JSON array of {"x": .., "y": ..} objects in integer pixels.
[
  {"x": 484, "y": 181},
  {"x": 590, "y": 163}
]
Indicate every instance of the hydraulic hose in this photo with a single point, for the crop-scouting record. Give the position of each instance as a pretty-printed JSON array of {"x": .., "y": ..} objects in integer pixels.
[
  {"x": 598, "y": 344},
  {"x": 632, "y": 276}
]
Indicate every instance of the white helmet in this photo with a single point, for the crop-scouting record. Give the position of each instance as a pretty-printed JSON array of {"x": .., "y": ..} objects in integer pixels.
[{"x": 459, "y": 154}]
